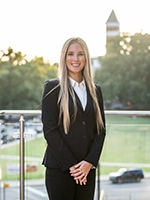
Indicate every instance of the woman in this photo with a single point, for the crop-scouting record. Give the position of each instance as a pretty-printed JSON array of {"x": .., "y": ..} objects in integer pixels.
[{"x": 73, "y": 124}]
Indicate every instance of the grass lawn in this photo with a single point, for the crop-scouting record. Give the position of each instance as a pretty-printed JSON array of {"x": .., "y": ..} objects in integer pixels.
[{"x": 127, "y": 141}]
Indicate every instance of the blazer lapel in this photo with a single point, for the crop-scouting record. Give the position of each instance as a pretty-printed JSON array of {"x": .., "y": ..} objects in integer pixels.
[{"x": 89, "y": 104}]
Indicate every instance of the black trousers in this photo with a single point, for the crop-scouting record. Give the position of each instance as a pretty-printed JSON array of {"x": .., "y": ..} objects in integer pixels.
[{"x": 62, "y": 186}]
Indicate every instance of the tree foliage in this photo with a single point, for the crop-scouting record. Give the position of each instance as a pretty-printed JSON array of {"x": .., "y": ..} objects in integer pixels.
[
  {"x": 22, "y": 81},
  {"x": 125, "y": 71}
]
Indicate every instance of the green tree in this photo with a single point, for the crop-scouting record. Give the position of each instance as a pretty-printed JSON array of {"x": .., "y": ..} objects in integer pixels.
[
  {"x": 22, "y": 81},
  {"x": 125, "y": 71}
]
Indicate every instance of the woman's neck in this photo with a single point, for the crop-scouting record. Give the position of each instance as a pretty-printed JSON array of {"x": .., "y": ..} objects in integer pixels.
[{"x": 77, "y": 78}]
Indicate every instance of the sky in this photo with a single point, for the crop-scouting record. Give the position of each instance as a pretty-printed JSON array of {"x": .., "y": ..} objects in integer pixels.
[{"x": 40, "y": 27}]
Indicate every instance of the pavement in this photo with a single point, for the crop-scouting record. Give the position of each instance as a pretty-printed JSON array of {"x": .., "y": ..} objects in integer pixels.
[{"x": 42, "y": 181}]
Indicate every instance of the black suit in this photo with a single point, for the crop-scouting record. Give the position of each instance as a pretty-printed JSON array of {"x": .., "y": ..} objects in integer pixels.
[{"x": 82, "y": 141}]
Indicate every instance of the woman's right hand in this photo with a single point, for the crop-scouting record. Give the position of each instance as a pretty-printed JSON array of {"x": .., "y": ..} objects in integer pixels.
[
  {"x": 80, "y": 172},
  {"x": 78, "y": 175}
]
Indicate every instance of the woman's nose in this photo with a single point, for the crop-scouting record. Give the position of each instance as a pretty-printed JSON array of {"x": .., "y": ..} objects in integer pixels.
[{"x": 75, "y": 57}]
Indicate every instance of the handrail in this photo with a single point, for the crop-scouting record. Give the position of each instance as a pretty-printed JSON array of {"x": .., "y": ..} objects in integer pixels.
[
  {"x": 107, "y": 112},
  {"x": 128, "y": 112},
  {"x": 20, "y": 112}
]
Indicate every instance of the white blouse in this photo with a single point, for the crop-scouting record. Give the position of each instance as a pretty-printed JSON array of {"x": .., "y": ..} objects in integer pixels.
[{"x": 80, "y": 89}]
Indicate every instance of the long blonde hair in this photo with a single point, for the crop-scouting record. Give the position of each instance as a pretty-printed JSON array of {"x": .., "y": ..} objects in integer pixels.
[{"x": 65, "y": 87}]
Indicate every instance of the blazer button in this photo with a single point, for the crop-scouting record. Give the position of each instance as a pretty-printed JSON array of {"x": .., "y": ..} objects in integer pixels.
[
  {"x": 83, "y": 122},
  {"x": 58, "y": 163},
  {"x": 84, "y": 136}
]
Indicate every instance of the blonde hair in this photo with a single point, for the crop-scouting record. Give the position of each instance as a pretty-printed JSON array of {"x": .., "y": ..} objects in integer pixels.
[{"x": 65, "y": 87}]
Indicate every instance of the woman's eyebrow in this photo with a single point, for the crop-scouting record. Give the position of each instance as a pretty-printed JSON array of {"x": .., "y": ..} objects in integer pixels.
[{"x": 73, "y": 51}]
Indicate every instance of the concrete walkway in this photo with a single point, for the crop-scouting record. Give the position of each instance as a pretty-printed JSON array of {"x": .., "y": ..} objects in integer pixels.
[{"x": 42, "y": 181}]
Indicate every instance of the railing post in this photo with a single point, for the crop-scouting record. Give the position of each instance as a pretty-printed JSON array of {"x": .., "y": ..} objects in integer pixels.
[
  {"x": 98, "y": 181},
  {"x": 21, "y": 157}
]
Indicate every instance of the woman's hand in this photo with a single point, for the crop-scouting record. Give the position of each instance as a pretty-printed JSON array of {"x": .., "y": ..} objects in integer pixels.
[{"x": 80, "y": 171}]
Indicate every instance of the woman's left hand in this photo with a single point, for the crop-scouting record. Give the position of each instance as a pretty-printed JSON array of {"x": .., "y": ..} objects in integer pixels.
[{"x": 80, "y": 171}]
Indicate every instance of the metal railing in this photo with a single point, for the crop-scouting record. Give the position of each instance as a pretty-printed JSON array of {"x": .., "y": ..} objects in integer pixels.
[{"x": 23, "y": 113}]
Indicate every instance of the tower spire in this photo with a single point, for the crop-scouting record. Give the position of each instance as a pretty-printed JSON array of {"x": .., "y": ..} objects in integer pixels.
[{"x": 112, "y": 26}]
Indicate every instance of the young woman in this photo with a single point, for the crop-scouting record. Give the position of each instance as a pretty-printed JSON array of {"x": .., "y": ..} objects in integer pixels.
[{"x": 73, "y": 124}]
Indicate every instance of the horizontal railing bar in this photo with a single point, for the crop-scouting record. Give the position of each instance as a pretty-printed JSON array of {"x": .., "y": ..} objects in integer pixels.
[
  {"x": 20, "y": 112},
  {"x": 128, "y": 112},
  {"x": 107, "y": 112}
]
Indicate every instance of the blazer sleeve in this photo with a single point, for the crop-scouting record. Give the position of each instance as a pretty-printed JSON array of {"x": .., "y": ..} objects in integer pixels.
[
  {"x": 50, "y": 117},
  {"x": 98, "y": 141}
]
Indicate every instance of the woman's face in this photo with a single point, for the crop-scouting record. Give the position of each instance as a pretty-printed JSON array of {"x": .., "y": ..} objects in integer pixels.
[{"x": 75, "y": 60}]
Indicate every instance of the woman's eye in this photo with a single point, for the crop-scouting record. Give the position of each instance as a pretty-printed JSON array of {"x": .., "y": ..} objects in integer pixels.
[{"x": 71, "y": 54}]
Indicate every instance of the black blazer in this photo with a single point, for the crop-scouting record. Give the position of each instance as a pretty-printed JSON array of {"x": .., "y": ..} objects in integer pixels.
[{"x": 82, "y": 141}]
